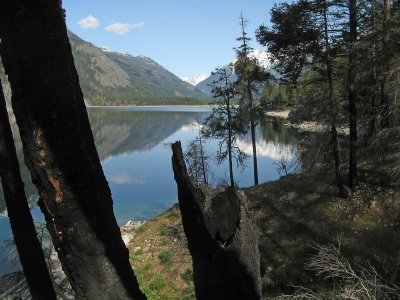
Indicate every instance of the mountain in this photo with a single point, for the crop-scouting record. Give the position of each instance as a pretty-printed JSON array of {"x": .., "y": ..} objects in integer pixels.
[
  {"x": 113, "y": 78},
  {"x": 206, "y": 85},
  {"x": 195, "y": 79},
  {"x": 262, "y": 57}
]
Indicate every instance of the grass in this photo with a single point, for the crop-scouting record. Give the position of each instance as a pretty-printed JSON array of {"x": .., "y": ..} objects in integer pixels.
[
  {"x": 165, "y": 256},
  {"x": 161, "y": 261}
]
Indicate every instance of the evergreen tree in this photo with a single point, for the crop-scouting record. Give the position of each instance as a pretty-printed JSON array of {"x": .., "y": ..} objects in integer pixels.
[
  {"x": 196, "y": 158},
  {"x": 251, "y": 76},
  {"x": 224, "y": 123},
  {"x": 302, "y": 42}
]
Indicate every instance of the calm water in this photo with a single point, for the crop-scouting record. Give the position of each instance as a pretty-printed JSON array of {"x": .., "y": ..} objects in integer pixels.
[{"x": 134, "y": 147}]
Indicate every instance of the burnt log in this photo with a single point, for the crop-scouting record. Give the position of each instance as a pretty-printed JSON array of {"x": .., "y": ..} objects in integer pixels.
[
  {"x": 222, "y": 238},
  {"x": 25, "y": 237}
]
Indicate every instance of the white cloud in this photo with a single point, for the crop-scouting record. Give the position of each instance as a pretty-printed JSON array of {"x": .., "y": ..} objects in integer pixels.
[
  {"x": 124, "y": 178},
  {"x": 89, "y": 22},
  {"x": 122, "y": 28}
]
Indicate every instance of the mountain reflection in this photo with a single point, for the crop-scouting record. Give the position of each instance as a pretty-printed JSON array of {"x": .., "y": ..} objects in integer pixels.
[{"x": 119, "y": 132}]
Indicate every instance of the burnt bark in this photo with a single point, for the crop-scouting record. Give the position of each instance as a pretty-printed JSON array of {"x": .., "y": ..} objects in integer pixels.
[
  {"x": 25, "y": 237},
  {"x": 59, "y": 150},
  {"x": 221, "y": 236}
]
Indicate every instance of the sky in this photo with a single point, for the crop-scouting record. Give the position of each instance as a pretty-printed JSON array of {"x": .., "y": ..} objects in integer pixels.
[{"x": 187, "y": 37}]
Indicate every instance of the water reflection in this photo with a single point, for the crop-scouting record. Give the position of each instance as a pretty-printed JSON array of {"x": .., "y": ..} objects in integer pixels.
[
  {"x": 123, "y": 131},
  {"x": 133, "y": 145}
]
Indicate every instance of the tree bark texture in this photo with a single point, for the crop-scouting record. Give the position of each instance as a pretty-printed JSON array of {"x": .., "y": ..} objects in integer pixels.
[
  {"x": 59, "y": 150},
  {"x": 25, "y": 237},
  {"x": 385, "y": 98},
  {"x": 352, "y": 95},
  {"x": 221, "y": 236}
]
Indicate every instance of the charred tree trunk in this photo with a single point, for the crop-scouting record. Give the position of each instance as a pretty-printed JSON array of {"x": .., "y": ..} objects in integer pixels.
[
  {"x": 60, "y": 152},
  {"x": 352, "y": 95},
  {"x": 222, "y": 239},
  {"x": 23, "y": 228}
]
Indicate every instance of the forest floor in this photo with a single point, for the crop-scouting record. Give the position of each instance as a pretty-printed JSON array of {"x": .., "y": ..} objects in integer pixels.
[{"x": 292, "y": 214}]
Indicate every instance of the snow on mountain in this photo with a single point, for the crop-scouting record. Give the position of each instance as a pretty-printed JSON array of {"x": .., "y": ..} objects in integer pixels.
[
  {"x": 108, "y": 50},
  {"x": 263, "y": 58},
  {"x": 195, "y": 79}
]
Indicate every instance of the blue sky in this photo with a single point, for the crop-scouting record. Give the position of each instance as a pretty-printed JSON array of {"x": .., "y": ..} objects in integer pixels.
[{"x": 187, "y": 37}]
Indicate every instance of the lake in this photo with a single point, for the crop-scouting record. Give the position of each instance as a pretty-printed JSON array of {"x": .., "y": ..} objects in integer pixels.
[{"x": 134, "y": 147}]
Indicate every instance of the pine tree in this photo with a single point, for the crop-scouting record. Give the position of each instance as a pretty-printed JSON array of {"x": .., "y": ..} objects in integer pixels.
[
  {"x": 224, "y": 122},
  {"x": 251, "y": 76}
]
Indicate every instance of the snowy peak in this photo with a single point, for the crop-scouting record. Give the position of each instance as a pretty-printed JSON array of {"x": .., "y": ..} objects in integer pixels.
[
  {"x": 108, "y": 50},
  {"x": 263, "y": 58},
  {"x": 195, "y": 79}
]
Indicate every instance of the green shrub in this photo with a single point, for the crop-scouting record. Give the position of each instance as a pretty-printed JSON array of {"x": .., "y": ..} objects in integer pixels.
[
  {"x": 139, "y": 251},
  {"x": 157, "y": 284},
  {"x": 165, "y": 256},
  {"x": 142, "y": 228},
  {"x": 187, "y": 275}
]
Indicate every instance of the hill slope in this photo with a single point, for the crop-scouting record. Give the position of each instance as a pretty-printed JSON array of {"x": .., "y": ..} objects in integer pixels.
[{"x": 111, "y": 78}]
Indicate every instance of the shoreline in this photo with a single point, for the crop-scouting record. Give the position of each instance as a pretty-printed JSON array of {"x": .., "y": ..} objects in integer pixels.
[
  {"x": 283, "y": 114},
  {"x": 307, "y": 126},
  {"x": 151, "y": 106}
]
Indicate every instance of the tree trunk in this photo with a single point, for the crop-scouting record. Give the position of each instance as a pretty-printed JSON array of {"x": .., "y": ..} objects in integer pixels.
[
  {"x": 203, "y": 163},
  {"x": 230, "y": 142},
  {"x": 222, "y": 239},
  {"x": 253, "y": 134},
  {"x": 352, "y": 95},
  {"x": 23, "y": 228},
  {"x": 60, "y": 152},
  {"x": 385, "y": 101},
  {"x": 336, "y": 155},
  {"x": 333, "y": 106},
  {"x": 253, "y": 141},
  {"x": 372, "y": 124}
]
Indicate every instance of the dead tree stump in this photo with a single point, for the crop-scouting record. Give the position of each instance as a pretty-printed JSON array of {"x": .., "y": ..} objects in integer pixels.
[{"x": 222, "y": 239}]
